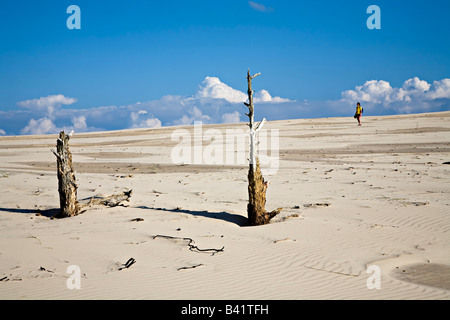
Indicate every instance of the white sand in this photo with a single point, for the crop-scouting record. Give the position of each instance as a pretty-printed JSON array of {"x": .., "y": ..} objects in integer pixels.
[{"x": 352, "y": 197}]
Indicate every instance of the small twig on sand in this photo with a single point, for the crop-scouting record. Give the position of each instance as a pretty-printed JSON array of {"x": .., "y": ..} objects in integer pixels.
[
  {"x": 128, "y": 264},
  {"x": 192, "y": 267},
  {"x": 43, "y": 269}
]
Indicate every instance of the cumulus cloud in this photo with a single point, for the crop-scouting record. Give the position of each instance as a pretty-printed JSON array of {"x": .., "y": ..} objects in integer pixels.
[
  {"x": 440, "y": 89},
  {"x": 141, "y": 119},
  {"x": 51, "y": 100},
  {"x": 374, "y": 91},
  {"x": 79, "y": 123},
  {"x": 213, "y": 102},
  {"x": 232, "y": 117},
  {"x": 135, "y": 115},
  {"x": 46, "y": 104},
  {"x": 217, "y": 102},
  {"x": 153, "y": 123},
  {"x": 264, "y": 96},
  {"x": 194, "y": 114},
  {"x": 40, "y": 126},
  {"x": 414, "y": 95},
  {"x": 415, "y": 85},
  {"x": 213, "y": 88}
]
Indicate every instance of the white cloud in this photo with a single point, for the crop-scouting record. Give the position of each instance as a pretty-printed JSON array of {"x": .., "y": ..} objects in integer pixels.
[
  {"x": 138, "y": 121},
  {"x": 79, "y": 123},
  {"x": 233, "y": 117},
  {"x": 194, "y": 114},
  {"x": 440, "y": 89},
  {"x": 264, "y": 96},
  {"x": 41, "y": 126},
  {"x": 414, "y": 95},
  {"x": 51, "y": 100},
  {"x": 259, "y": 7},
  {"x": 216, "y": 102},
  {"x": 415, "y": 85},
  {"x": 153, "y": 123},
  {"x": 47, "y": 104},
  {"x": 135, "y": 115},
  {"x": 374, "y": 91},
  {"x": 213, "y": 88}
]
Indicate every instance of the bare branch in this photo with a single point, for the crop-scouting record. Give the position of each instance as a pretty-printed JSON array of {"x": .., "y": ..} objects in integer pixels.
[
  {"x": 260, "y": 125},
  {"x": 255, "y": 75},
  {"x": 57, "y": 155}
]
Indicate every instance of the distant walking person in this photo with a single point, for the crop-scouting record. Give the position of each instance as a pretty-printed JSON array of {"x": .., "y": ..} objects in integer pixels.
[{"x": 358, "y": 113}]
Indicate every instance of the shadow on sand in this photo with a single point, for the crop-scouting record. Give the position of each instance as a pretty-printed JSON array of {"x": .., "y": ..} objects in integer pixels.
[
  {"x": 225, "y": 216},
  {"x": 46, "y": 213}
]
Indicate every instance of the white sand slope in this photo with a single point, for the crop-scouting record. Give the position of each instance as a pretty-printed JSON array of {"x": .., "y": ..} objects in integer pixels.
[{"x": 353, "y": 197}]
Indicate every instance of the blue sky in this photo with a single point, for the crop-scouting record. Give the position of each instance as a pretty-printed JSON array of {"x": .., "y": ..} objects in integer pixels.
[{"x": 148, "y": 63}]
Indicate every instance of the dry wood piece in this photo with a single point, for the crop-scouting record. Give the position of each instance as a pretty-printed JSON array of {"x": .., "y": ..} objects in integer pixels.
[
  {"x": 318, "y": 204},
  {"x": 257, "y": 186},
  {"x": 118, "y": 199},
  {"x": 128, "y": 264},
  {"x": 67, "y": 186},
  {"x": 191, "y": 267}
]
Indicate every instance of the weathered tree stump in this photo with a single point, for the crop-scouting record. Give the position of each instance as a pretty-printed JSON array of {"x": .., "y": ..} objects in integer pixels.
[
  {"x": 257, "y": 186},
  {"x": 67, "y": 186}
]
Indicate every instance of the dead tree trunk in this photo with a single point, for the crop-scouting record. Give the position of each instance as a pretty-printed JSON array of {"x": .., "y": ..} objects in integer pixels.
[
  {"x": 257, "y": 186},
  {"x": 67, "y": 186}
]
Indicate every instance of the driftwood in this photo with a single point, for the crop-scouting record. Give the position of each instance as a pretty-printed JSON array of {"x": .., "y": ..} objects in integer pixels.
[
  {"x": 67, "y": 186},
  {"x": 118, "y": 199},
  {"x": 257, "y": 186},
  {"x": 114, "y": 200}
]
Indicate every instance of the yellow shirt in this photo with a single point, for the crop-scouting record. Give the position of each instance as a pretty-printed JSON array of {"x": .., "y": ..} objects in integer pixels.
[{"x": 358, "y": 110}]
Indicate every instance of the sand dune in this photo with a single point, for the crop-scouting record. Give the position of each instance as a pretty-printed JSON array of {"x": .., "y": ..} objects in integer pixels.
[{"x": 352, "y": 197}]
